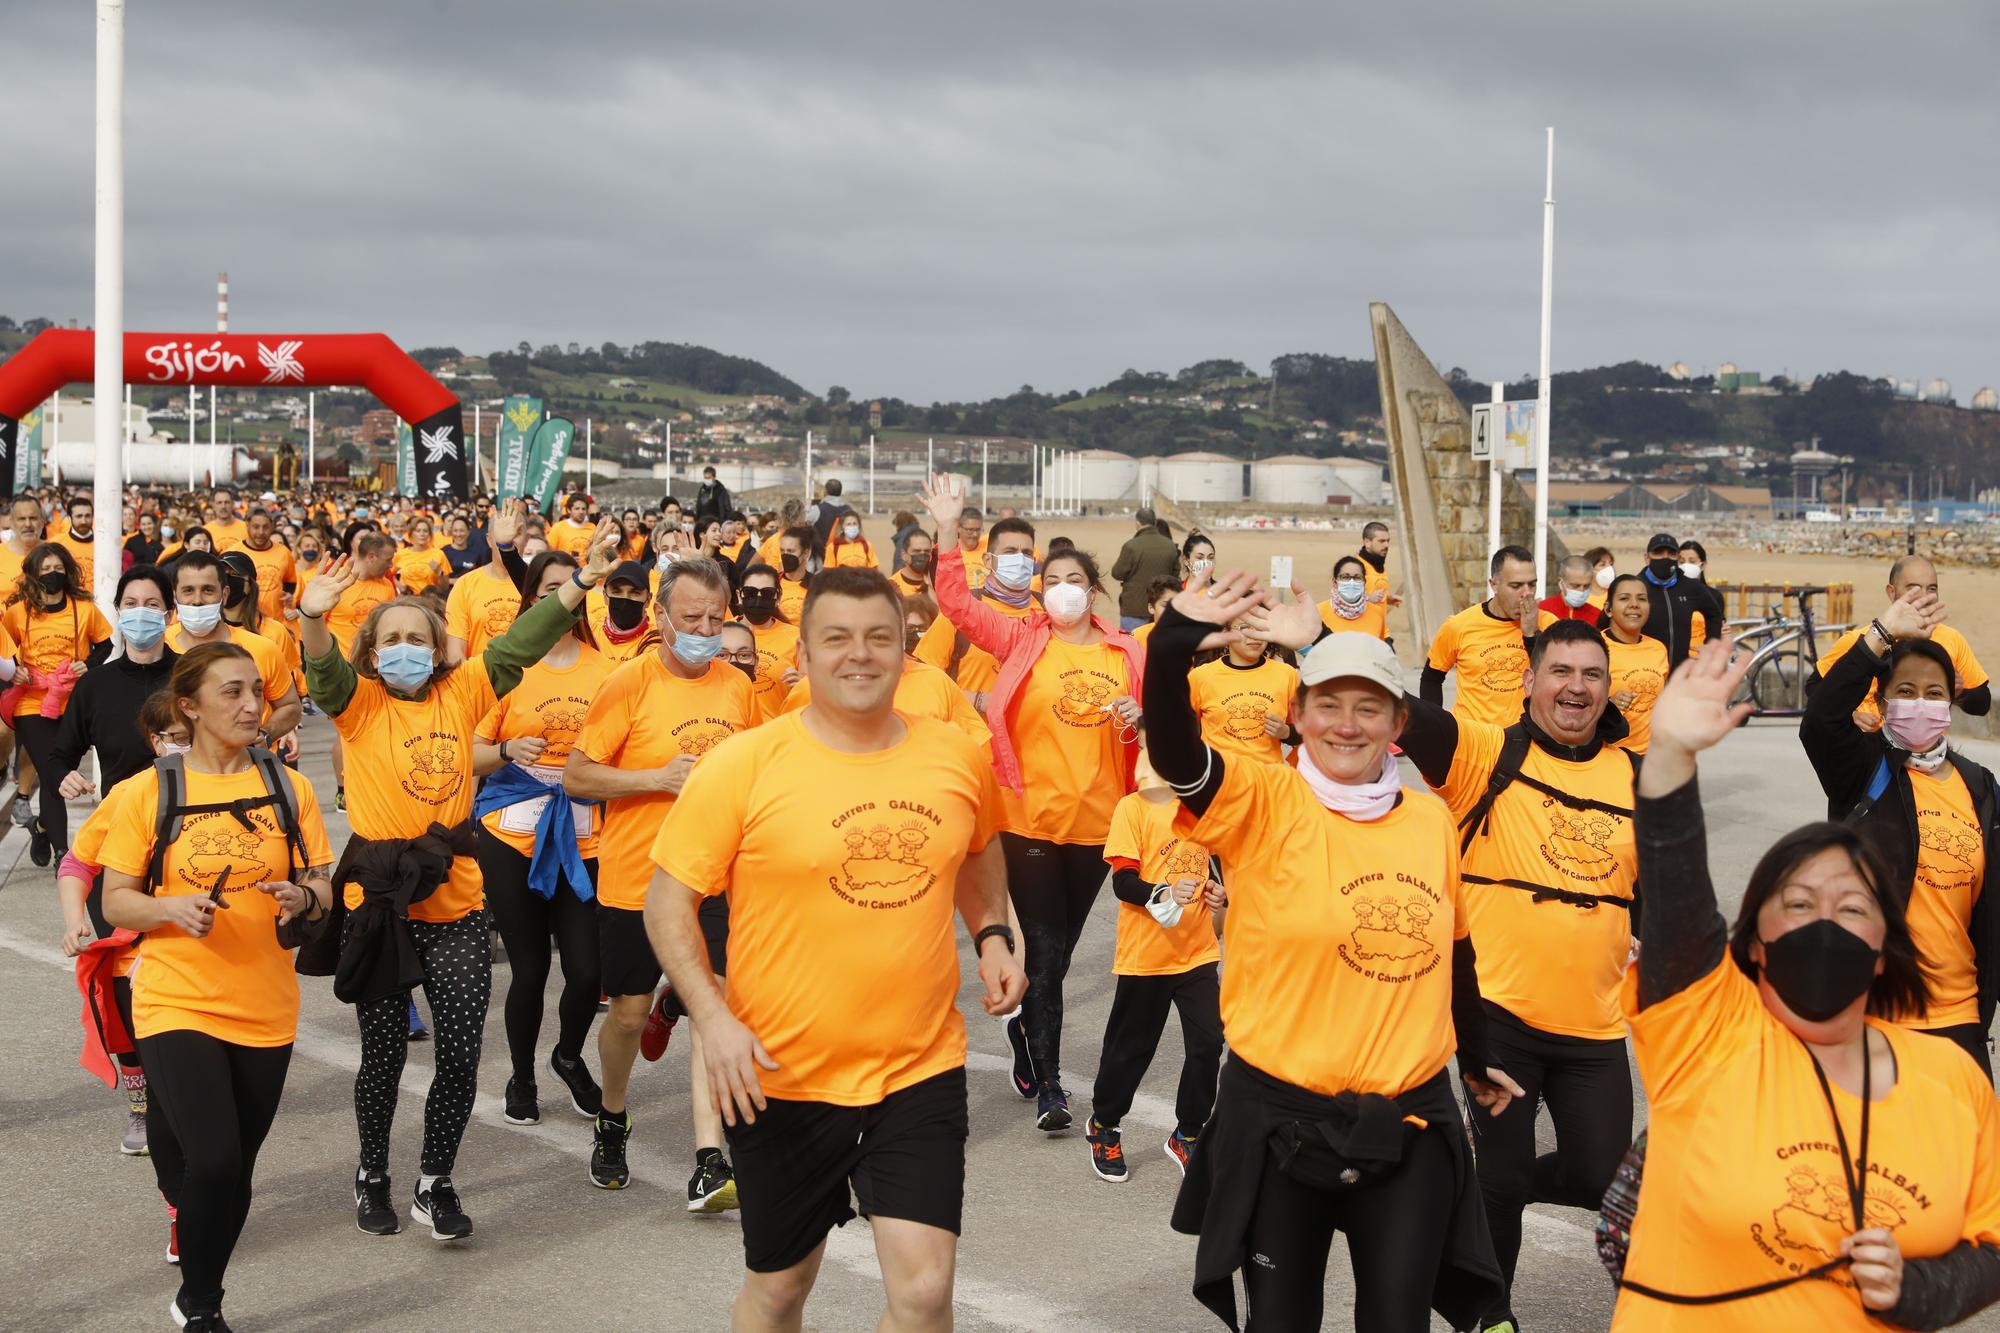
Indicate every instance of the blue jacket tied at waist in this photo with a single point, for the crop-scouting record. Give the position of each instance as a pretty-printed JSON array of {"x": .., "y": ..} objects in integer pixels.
[{"x": 556, "y": 853}]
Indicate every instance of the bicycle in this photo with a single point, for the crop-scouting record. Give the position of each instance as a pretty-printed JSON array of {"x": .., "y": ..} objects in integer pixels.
[{"x": 1784, "y": 651}]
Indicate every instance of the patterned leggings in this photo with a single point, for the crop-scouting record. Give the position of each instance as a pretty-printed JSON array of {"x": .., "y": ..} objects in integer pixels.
[{"x": 458, "y": 977}]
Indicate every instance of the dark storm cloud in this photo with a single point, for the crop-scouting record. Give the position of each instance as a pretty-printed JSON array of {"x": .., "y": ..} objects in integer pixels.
[{"x": 947, "y": 200}]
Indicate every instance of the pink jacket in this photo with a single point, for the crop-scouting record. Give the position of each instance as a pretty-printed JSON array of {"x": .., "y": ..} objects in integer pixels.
[{"x": 1017, "y": 642}]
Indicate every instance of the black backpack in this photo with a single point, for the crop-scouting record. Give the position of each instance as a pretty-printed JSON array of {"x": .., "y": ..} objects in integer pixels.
[
  {"x": 172, "y": 810},
  {"x": 1507, "y": 772}
]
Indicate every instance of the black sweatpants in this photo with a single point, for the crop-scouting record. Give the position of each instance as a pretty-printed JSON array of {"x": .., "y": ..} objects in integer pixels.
[
  {"x": 219, "y": 1099},
  {"x": 1971, "y": 1038},
  {"x": 1053, "y": 885},
  {"x": 1395, "y": 1231},
  {"x": 1139, "y": 1011},
  {"x": 527, "y": 921},
  {"x": 458, "y": 978},
  {"x": 38, "y": 738},
  {"x": 1588, "y": 1087}
]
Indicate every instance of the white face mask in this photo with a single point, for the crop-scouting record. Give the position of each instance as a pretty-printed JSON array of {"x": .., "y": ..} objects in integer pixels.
[
  {"x": 1351, "y": 589},
  {"x": 1066, "y": 603},
  {"x": 851, "y": 531},
  {"x": 1574, "y": 598},
  {"x": 1690, "y": 569},
  {"x": 1606, "y": 574}
]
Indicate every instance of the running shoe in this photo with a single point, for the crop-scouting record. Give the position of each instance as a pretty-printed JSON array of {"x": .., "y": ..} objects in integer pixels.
[
  {"x": 1506, "y": 1325},
  {"x": 1180, "y": 1148},
  {"x": 438, "y": 1208},
  {"x": 418, "y": 1032},
  {"x": 1023, "y": 1073},
  {"x": 40, "y": 849},
  {"x": 196, "y": 1323},
  {"x": 584, "y": 1095},
  {"x": 659, "y": 1027},
  {"x": 1052, "y": 1109},
  {"x": 373, "y": 1213},
  {"x": 24, "y": 811},
  {"x": 173, "y": 1234},
  {"x": 1107, "y": 1154},
  {"x": 340, "y": 799},
  {"x": 712, "y": 1187},
  {"x": 134, "y": 1142},
  {"x": 522, "y": 1106},
  {"x": 607, "y": 1155}
]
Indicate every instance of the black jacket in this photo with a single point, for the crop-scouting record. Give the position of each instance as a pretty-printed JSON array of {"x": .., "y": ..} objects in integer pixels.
[
  {"x": 712, "y": 498},
  {"x": 369, "y": 952},
  {"x": 827, "y": 516},
  {"x": 1673, "y": 608},
  {"x": 1846, "y": 759},
  {"x": 103, "y": 715}
]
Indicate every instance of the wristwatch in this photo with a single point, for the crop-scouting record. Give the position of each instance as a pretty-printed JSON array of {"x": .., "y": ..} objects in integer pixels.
[
  {"x": 1004, "y": 932},
  {"x": 503, "y": 753}
]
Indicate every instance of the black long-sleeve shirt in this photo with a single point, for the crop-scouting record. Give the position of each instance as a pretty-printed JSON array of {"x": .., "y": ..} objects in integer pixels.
[{"x": 103, "y": 715}]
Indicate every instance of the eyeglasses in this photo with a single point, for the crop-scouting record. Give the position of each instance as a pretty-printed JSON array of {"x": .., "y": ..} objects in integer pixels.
[{"x": 742, "y": 657}]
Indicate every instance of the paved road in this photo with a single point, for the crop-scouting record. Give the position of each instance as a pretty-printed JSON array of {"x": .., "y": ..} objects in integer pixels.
[{"x": 1047, "y": 1245}]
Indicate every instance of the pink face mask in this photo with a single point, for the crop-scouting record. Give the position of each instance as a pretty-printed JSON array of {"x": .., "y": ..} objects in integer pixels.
[{"x": 1916, "y": 724}]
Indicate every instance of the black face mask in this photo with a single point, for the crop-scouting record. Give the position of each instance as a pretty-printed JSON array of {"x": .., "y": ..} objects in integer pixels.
[
  {"x": 1819, "y": 969},
  {"x": 55, "y": 581},
  {"x": 624, "y": 612},
  {"x": 747, "y": 668},
  {"x": 919, "y": 561},
  {"x": 233, "y": 593},
  {"x": 791, "y": 563},
  {"x": 911, "y": 638},
  {"x": 759, "y": 603},
  {"x": 1663, "y": 567},
  {"x": 308, "y": 555}
]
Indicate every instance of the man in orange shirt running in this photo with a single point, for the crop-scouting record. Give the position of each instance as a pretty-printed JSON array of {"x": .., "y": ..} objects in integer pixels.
[{"x": 845, "y": 836}]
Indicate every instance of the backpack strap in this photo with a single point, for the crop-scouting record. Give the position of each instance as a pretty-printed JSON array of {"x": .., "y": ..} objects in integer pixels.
[
  {"x": 173, "y": 809},
  {"x": 171, "y": 770},
  {"x": 278, "y": 786},
  {"x": 1513, "y": 750},
  {"x": 1878, "y": 786}
]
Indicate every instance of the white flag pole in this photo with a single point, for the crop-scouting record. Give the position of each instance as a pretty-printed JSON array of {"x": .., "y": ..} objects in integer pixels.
[
  {"x": 109, "y": 334},
  {"x": 1542, "y": 388}
]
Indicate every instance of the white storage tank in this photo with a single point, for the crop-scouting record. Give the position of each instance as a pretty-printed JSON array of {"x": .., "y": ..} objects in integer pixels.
[
  {"x": 1201, "y": 478},
  {"x": 1098, "y": 476},
  {"x": 1292, "y": 479},
  {"x": 1361, "y": 476},
  {"x": 159, "y": 464}
]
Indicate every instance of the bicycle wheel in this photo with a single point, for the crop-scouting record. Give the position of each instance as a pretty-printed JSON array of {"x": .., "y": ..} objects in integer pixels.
[{"x": 1778, "y": 683}]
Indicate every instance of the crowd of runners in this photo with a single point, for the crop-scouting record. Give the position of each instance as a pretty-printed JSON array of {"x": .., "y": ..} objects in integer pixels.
[{"x": 742, "y": 769}]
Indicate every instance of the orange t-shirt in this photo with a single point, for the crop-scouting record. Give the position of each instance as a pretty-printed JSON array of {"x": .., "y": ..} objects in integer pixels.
[
  {"x": 1142, "y": 831},
  {"x": 777, "y": 653},
  {"x": 923, "y": 691},
  {"x": 1743, "y": 1180},
  {"x": 235, "y": 983},
  {"x": 1233, "y": 702},
  {"x": 858, "y": 554},
  {"x": 86, "y": 844},
  {"x": 418, "y": 570},
  {"x": 1553, "y": 965},
  {"x": 1339, "y": 933},
  {"x": 352, "y": 611},
  {"x": 275, "y": 568},
  {"x": 1951, "y": 870},
  {"x": 480, "y": 608},
  {"x": 571, "y": 537},
  {"x": 11, "y": 566},
  {"x": 272, "y": 668},
  {"x": 1641, "y": 668},
  {"x": 409, "y": 764},
  {"x": 977, "y": 669},
  {"x": 227, "y": 536},
  {"x": 1071, "y": 765},
  {"x": 1374, "y": 619},
  {"x": 908, "y": 587},
  {"x": 792, "y": 600},
  {"x": 841, "y": 871},
  {"x": 49, "y": 640},
  {"x": 1491, "y": 661},
  {"x": 85, "y": 553},
  {"x": 1969, "y": 675},
  {"x": 550, "y": 702},
  {"x": 643, "y": 716}
]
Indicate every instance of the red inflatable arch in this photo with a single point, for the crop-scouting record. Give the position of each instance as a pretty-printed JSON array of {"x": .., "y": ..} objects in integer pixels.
[{"x": 57, "y": 357}]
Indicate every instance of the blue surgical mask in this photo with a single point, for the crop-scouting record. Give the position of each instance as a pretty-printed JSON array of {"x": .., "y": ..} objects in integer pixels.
[
  {"x": 405, "y": 666},
  {"x": 696, "y": 649},
  {"x": 1350, "y": 589},
  {"x": 1014, "y": 569},
  {"x": 198, "y": 619},
  {"x": 142, "y": 626},
  {"x": 1574, "y": 598}
]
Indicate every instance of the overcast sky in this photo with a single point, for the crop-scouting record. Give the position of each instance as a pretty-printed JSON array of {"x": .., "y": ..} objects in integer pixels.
[{"x": 934, "y": 199}]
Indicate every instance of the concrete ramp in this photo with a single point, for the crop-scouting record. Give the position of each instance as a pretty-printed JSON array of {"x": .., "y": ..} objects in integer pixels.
[{"x": 1439, "y": 490}]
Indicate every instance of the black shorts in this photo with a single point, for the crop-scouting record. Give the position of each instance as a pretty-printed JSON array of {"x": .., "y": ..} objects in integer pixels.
[
  {"x": 903, "y": 1156},
  {"x": 713, "y": 913},
  {"x": 625, "y": 955}
]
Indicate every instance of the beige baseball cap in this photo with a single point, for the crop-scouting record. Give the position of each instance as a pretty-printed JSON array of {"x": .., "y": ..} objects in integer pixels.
[{"x": 1352, "y": 654}]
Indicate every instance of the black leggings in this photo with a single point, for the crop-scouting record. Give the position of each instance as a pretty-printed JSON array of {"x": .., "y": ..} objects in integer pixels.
[
  {"x": 1587, "y": 1084},
  {"x": 458, "y": 977},
  {"x": 1395, "y": 1240},
  {"x": 1139, "y": 1011},
  {"x": 218, "y": 1099},
  {"x": 1053, "y": 885},
  {"x": 38, "y": 738},
  {"x": 1971, "y": 1038},
  {"x": 526, "y": 921}
]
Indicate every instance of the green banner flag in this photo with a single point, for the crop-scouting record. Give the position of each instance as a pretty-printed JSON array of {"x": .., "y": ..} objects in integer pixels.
[
  {"x": 28, "y": 452},
  {"x": 546, "y": 458},
  {"x": 519, "y": 416},
  {"x": 406, "y": 460}
]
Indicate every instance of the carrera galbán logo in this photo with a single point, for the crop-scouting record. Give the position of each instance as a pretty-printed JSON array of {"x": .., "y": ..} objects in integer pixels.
[{"x": 886, "y": 865}]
